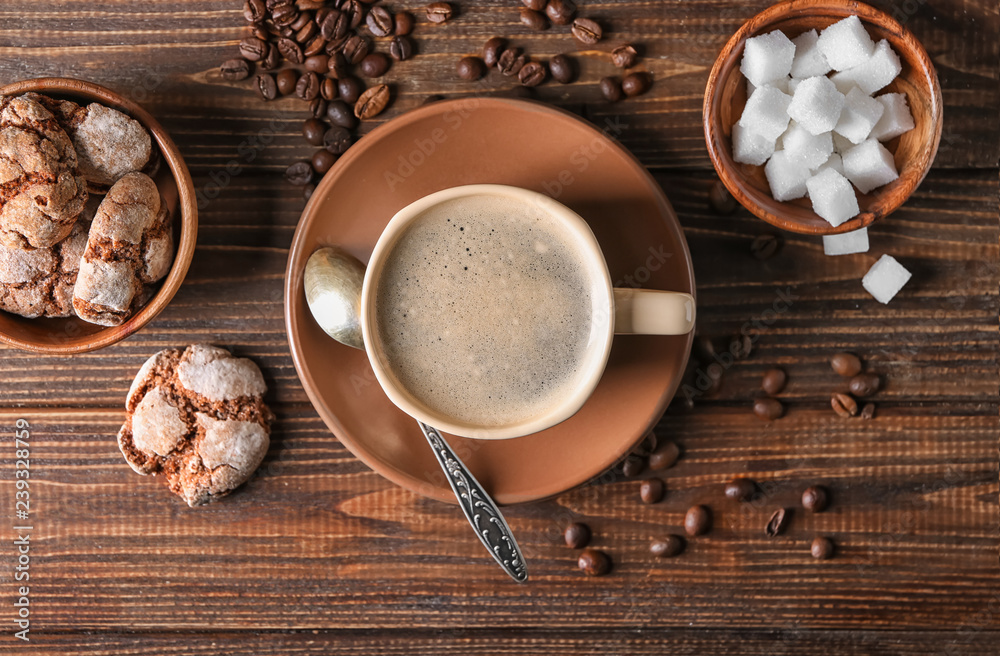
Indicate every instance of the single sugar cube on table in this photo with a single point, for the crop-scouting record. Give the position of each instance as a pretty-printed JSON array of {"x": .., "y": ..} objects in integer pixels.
[
  {"x": 835, "y": 163},
  {"x": 861, "y": 113},
  {"x": 869, "y": 165},
  {"x": 832, "y": 196},
  {"x": 766, "y": 112},
  {"x": 750, "y": 147},
  {"x": 816, "y": 105},
  {"x": 847, "y": 243},
  {"x": 809, "y": 61},
  {"x": 896, "y": 118},
  {"x": 874, "y": 73},
  {"x": 885, "y": 279},
  {"x": 786, "y": 177},
  {"x": 807, "y": 149},
  {"x": 767, "y": 57},
  {"x": 845, "y": 44}
]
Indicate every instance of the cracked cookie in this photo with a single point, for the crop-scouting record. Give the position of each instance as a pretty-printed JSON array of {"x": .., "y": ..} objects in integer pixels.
[
  {"x": 198, "y": 417},
  {"x": 41, "y": 193}
]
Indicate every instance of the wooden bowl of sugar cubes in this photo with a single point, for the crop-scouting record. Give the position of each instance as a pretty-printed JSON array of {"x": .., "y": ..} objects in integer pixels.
[{"x": 821, "y": 117}]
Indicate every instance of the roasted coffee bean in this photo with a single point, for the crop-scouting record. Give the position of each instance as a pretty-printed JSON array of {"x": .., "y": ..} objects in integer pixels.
[
  {"x": 846, "y": 364},
  {"x": 587, "y": 31},
  {"x": 350, "y": 89},
  {"x": 328, "y": 88},
  {"x": 272, "y": 60},
  {"x": 313, "y": 130},
  {"x": 563, "y": 69},
  {"x": 267, "y": 87},
  {"x": 611, "y": 89},
  {"x": 821, "y": 548},
  {"x": 317, "y": 108},
  {"x": 322, "y": 160},
  {"x": 865, "y": 384},
  {"x": 764, "y": 247},
  {"x": 271, "y": 4},
  {"x": 404, "y": 23},
  {"x": 868, "y": 412},
  {"x": 740, "y": 489},
  {"x": 286, "y": 81},
  {"x": 321, "y": 13},
  {"x": 374, "y": 65},
  {"x": 356, "y": 48},
  {"x": 380, "y": 21},
  {"x": 594, "y": 562},
  {"x": 774, "y": 381},
  {"x": 255, "y": 11},
  {"x": 315, "y": 46},
  {"x": 234, "y": 70},
  {"x": 720, "y": 200},
  {"x": 492, "y": 49},
  {"x": 401, "y": 48},
  {"x": 310, "y": 5},
  {"x": 372, "y": 102},
  {"x": 636, "y": 84},
  {"x": 624, "y": 56},
  {"x": 665, "y": 456},
  {"x": 561, "y": 12},
  {"x": 355, "y": 11},
  {"x": 697, "y": 521},
  {"x": 318, "y": 64},
  {"x": 532, "y": 19},
  {"x": 776, "y": 524},
  {"x": 307, "y": 191},
  {"x": 290, "y": 50},
  {"x": 253, "y": 49},
  {"x": 633, "y": 466},
  {"x": 646, "y": 447},
  {"x": 337, "y": 140},
  {"x": 439, "y": 12},
  {"x": 284, "y": 15},
  {"x": 260, "y": 31},
  {"x": 470, "y": 68},
  {"x": 307, "y": 87},
  {"x": 532, "y": 74},
  {"x": 844, "y": 405},
  {"x": 536, "y": 5},
  {"x": 299, "y": 173},
  {"x": 305, "y": 18},
  {"x": 337, "y": 66},
  {"x": 510, "y": 61},
  {"x": 668, "y": 547},
  {"x": 340, "y": 113},
  {"x": 741, "y": 346},
  {"x": 577, "y": 535},
  {"x": 815, "y": 498},
  {"x": 334, "y": 25},
  {"x": 306, "y": 33},
  {"x": 768, "y": 409},
  {"x": 652, "y": 490}
]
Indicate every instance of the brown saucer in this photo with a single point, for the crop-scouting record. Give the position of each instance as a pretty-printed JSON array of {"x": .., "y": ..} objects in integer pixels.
[{"x": 512, "y": 142}]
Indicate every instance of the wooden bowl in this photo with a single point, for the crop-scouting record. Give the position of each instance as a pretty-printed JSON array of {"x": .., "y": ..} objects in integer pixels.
[
  {"x": 725, "y": 96},
  {"x": 71, "y": 334}
]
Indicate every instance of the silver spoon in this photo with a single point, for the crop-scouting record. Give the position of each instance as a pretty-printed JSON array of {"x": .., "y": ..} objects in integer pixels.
[{"x": 333, "y": 281}]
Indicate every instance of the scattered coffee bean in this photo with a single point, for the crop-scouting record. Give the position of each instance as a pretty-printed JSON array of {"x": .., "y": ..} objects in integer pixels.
[
  {"x": 318, "y": 63},
  {"x": 328, "y": 89},
  {"x": 720, "y": 200},
  {"x": 492, "y": 49},
  {"x": 350, "y": 88},
  {"x": 306, "y": 33},
  {"x": 470, "y": 68},
  {"x": 865, "y": 384},
  {"x": 665, "y": 456},
  {"x": 633, "y": 466},
  {"x": 646, "y": 447},
  {"x": 255, "y": 11},
  {"x": 774, "y": 381},
  {"x": 765, "y": 246},
  {"x": 284, "y": 15},
  {"x": 401, "y": 48},
  {"x": 594, "y": 562},
  {"x": 299, "y": 173},
  {"x": 314, "y": 46},
  {"x": 536, "y": 5},
  {"x": 776, "y": 525},
  {"x": 815, "y": 498},
  {"x": 334, "y": 25},
  {"x": 577, "y": 535},
  {"x": 651, "y": 490},
  {"x": 267, "y": 87},
  {"x": 322, "y": 160},
  {"x": 372, "y": 102},
  {"x": 533, "y": 20},
  {"x": 356, "y": 48},
  {"x": 286, "y": 80},
  {"x": 439, "y": 12},
  {"x": 846, "y": 364},
  {"x": 563, "y": 69},
  {"x": 740, "y": 489},
  {"x": 741, "y": 346},
  {"x": 337, "y": 67},
  {"x": 821, "y": 548},
  {"x": 587, "y": 31},
  {"x": 532, "y": 74},
  {"x": 317, "y": 107},
  {"x": 668, "y": 547},
  {"x": 380, "y": 22},
  {"x": 844, "y": 405},
  {"x": 260, "y": 32},
  {"x": 272, "y": 60},
  {"x": 305, "y": 17},
  {"x": 307, "y": 87},
  {"x": 611, "y": 89},
  {"x": 235, "y": 70},
  {"x": 313, "y": 130},
  {"x": 404, "y": 23},
  {"x": 510, "y": 61},
  {"x": 375, "y": 65},
  {"x": 253, "y": 49},
  {"x": 624, "y": 56},
  {"x": 868, "y": 412},
  {"x": 354, "y": 10},
  {"x": 768, "y": 409},
  {"x": 308, "y": 190},
  {"x": 561, "y": 12},
  {"x": 340, "y": 113},
  {"x": 636, "y": 84},
  {"x": 697, "y": 521},
  {"x": 337, "y": 140},
  {"x": 290, "y": 50}
]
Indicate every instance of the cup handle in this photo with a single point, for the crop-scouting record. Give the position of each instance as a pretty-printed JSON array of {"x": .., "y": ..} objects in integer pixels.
[{"x": 652, "y": 312}]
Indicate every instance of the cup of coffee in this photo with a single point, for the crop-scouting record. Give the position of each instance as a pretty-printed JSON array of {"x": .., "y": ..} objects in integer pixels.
[{"x": 487, "y": 311}]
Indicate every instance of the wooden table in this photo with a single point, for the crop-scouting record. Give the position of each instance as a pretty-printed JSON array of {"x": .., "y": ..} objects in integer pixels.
[{"x": 319, "y": 555}]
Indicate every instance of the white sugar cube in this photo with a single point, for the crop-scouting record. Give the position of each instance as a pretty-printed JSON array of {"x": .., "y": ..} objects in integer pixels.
[
  {"x": 869, "y": 165},
  {"x": 847, "y": 243},
  {"x": 885, "y": 279},
  {"x": 840, "y": 144},
  {"x": 786, "y": 177},
  {"x": 766, "y": 112},
  {"x": 767, "y": 57},
  {"x": 874, "y": 73},
  {"x": 845, "y": 44},
  {"x": 896, "y": 118},
  {"x": 861, "y": 113},
  {"x": 750, "y": 147},
  {"x": 816, "y": 104},
  {"x": 808, "y": 61},
  {"x": 832, "y": 196},
  {"x": 834, "y": 162},
  {"x": 806, "y": 149}
]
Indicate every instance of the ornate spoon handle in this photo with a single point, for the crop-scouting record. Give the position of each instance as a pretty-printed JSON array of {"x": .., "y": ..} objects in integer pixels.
[{"x": 479, "y": 508}]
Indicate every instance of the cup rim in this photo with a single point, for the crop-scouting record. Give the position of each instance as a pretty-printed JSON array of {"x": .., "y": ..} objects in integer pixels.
[{"x": 600, "y": 346}]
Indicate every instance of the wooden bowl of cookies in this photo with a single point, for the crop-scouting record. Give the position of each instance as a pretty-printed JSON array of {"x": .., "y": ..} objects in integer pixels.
[
  {"x": 726, "y": 95},
  {"x": 99, "y": 226}
]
